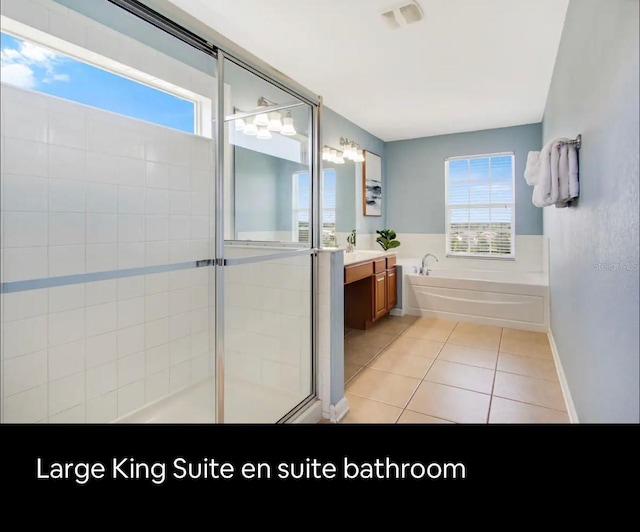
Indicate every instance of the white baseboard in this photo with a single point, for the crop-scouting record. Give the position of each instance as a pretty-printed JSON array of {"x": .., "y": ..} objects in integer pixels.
[
  {"x": 568, "y": 400},
  {"x": 338, "y": 411},
  {"x": 311, "y": 414}
]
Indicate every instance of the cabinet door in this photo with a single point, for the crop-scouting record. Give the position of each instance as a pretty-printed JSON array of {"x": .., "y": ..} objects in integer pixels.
[
  {"x": 380, "y": 295},
  {"x": 392, "y": 289}
]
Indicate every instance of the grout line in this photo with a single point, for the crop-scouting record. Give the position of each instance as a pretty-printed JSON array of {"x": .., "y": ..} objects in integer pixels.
[
  {"x": 531, "y": 404},
  {"x": 495, "y": 373}
]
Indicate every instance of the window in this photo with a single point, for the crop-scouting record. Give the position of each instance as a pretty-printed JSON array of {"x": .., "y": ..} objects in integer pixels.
[
  {"x": 480, "y": 205},
  {"x": 301, "y": 202},
  {"x": 29, "y": 66}
]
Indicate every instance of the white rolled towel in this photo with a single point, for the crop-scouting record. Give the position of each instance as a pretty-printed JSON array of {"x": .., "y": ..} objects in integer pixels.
[
  {"x": 563, "y": 175},
  {"x": 532, "y": 170},
  {"x": 574, "y": 182},
  {"x": 545, "y": 192}
]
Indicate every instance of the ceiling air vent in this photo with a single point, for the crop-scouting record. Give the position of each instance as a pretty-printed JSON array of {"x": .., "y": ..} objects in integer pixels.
[{"x": 402, "y": 15}]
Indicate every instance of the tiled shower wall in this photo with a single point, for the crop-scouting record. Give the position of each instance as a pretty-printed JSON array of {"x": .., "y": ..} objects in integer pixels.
[{"x": 86, "y": 191}]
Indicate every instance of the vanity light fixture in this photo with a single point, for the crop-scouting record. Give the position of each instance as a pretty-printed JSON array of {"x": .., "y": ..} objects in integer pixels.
[
  {"x": 262, "y": 120},
  {"x": 351, "y": 150},
  {"x": 264, "y": 123}
]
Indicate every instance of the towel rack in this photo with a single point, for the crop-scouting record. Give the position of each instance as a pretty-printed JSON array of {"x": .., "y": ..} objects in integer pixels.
[{"x": 577, "y": 142}]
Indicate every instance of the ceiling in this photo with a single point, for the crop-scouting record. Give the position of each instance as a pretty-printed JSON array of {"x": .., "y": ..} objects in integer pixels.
[{"x": 469, "y": 65}]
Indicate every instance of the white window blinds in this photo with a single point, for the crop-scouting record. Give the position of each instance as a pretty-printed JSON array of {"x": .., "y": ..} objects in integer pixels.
[{"x": 480, "y": 205}]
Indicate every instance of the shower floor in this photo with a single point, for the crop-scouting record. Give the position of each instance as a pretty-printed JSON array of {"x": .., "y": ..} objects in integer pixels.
[{"x": 245, "y": 402}]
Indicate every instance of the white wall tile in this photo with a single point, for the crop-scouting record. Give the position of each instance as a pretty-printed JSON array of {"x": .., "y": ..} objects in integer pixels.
[
  {"x": 157, "y": 386},
  {"x": 130, "y": 397},
  {"x": 131, "y": 312},
  {"x": 101, "y": 380},
  {"x": 130, "y": 172},
  {"x": 101, "y": 292},
  {"x": 157, "y": 201},
  {"x": 23, "y": 193},
  {"x": 179, "y": 147},
  {"x": 156, "y": 283},
  {"x": 179, "y": 350},
  {"x": 156, "y": 227},
  {"x": 156, "y": 253},
  {"x": 131, "y": 200},
  {"x": 199, "y": 249},
  {"x": 66, "y": 327},
  {"x": 199, "y": 367},
  {"x": 67, "y": 163},
  {"x": 179, "y": 227},
  {"x": 179, "y": 279},
  {"x": 66, "y": 229},
  {"x": 101, "y": 198},
  {"x": 200, "y": 180},
  {"x": 65, "y": 360},
  {"x": 156, "y": 333},
  {"x": 199, "y": 227},
  {"x": 76, "y": 414},
  {"x": 67, "y": 130},
  {"x": 179, "y": 376},
  {"x": 102, "y": 257},
  {"x": 179, "y": 301},
  {"x": 68, "y": 297},
  {"x": 130, "y": 255},
  {"x": 101, "y": 168},
  {"x": 101, "y": 349},
  {"x": 199, "y": 344},
  {"x": 24, "y": 229},
  {"x": 26, "y": 407},
  {"x": 103, "y": 409},
  {"x": 179, "y": 178},
  {"x": 157, "y": 175},
  {"x": 157, "y": 147},
  {"x": 24, "y": 372},
  {"x": 65, "y": 393},
  {"x": 157, "y": 359},
  {"x": 130, "y": 228},
  {"x": 101, "y": 318},
  {"x": 130, "y": 287},
  {"x": 130, "y": 340},
  {"x": 199, "y": 320},
  {"x": 22, "y": 305},
  {"x": 22, "y": 121},
  {"x": 66, "y": 195},
  {"x": 178, "y": 251},
  {"x": 178, "y": 202},
  {"x": 156, "y": 306},
  {"x": 66, "y": 260},
  {"x": 114, "y": 139},
  {"x": 24, "y": 157},
  {"x": 21, "y": 264},
  {"x": 24, "y": 336},
  {"x": 202, "y": 153},
  {"x": 102, "y": 228},
  {"x": 131, "y": 368},
  {"x": 179, "y": 326},
  {"x": 199, "y": 204}
]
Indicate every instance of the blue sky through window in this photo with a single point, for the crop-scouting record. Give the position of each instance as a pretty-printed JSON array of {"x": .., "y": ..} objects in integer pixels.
[{"x": 29, "y": 66}]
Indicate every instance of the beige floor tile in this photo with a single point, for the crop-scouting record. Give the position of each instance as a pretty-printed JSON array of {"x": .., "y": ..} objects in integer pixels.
[
  {"x": 447, "y": 402},
  {"x": 383, "y": 386},
  {"x": 391, "y": 326},
  {"x": 402, "y": 363},
  {"x": 416, "y": 346},
  {"x": 413, "y": 417},
  {"x": 529, "y": 390},
  {"x": 435, "y": 323},
  {"x": 350, "y": 370},
  {"x": 462, "y": 376},
  {"x": 473, "y": 356},
  {"x": 507, "y": 411},
  {"x": 527, "y": 343},
  {"x": 359, "y": 355},
  {"x": 373, "y": 338},
  {"x": 528, "y": 366},
  {"x": 472, "y": 334},
  {"x": 362, "y": 410},
  {"x": 437, "y": 334}
]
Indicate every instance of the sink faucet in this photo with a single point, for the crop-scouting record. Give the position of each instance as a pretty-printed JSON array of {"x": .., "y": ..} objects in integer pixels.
[
  {"x": 425, "y": 269},
  {"x": 351, "y": 241}
]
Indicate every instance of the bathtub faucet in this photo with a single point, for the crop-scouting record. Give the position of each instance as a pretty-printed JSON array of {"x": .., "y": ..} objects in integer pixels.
[{"x": 425, "y": 269}]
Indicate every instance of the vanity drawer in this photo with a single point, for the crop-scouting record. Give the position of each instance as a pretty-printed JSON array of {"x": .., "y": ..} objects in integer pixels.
[
  {"x": 391, "y": 262},
  {"x": 379, "y": 266},
  {"x": 357, "y": 272}
]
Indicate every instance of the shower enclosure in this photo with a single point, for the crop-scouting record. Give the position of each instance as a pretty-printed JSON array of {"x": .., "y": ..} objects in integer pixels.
[{"x": 159, "y": 221}]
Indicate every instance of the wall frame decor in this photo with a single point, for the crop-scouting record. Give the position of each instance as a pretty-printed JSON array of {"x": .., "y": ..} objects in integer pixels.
[{"x": 372, "y": 184}]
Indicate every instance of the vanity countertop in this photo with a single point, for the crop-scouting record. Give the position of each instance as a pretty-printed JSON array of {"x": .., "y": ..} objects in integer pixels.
[{"x": 358, "y": 256}]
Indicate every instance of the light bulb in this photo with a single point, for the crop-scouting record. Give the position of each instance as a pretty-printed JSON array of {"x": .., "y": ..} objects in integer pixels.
[
  {"x": 340, "y": 159},
  {"x": 264, "y": 133},
  {"x": 359, "y": 158},
  {"x": 240, "y": 124},
  {"x": 251, "y": 129},
  {"x": 275, "y": 122},
  {"x": 261, "y": 120},
  {"x": 326, "y": 153},
  {"x": 333, "y": 154},
  {"x": 287, "y": 129},
  {"x": 348, "y": 154}
]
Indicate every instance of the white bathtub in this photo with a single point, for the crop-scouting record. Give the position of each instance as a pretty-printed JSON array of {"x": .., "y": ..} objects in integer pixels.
[{"x": 506, "y": 299}]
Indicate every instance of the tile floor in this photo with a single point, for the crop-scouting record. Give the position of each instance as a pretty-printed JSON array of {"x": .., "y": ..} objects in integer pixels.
[{"x": 429, "y": 370}]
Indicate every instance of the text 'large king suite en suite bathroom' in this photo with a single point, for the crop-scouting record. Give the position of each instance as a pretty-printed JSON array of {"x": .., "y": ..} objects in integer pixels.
[{"x": 319, "y": 212}]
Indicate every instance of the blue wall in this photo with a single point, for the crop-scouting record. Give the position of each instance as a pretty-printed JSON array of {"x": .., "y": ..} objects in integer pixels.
[
  {"x": 415, "y": 170},
  {"x": 334, "y": 126},
  {"x": 594, "y": 300}
]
